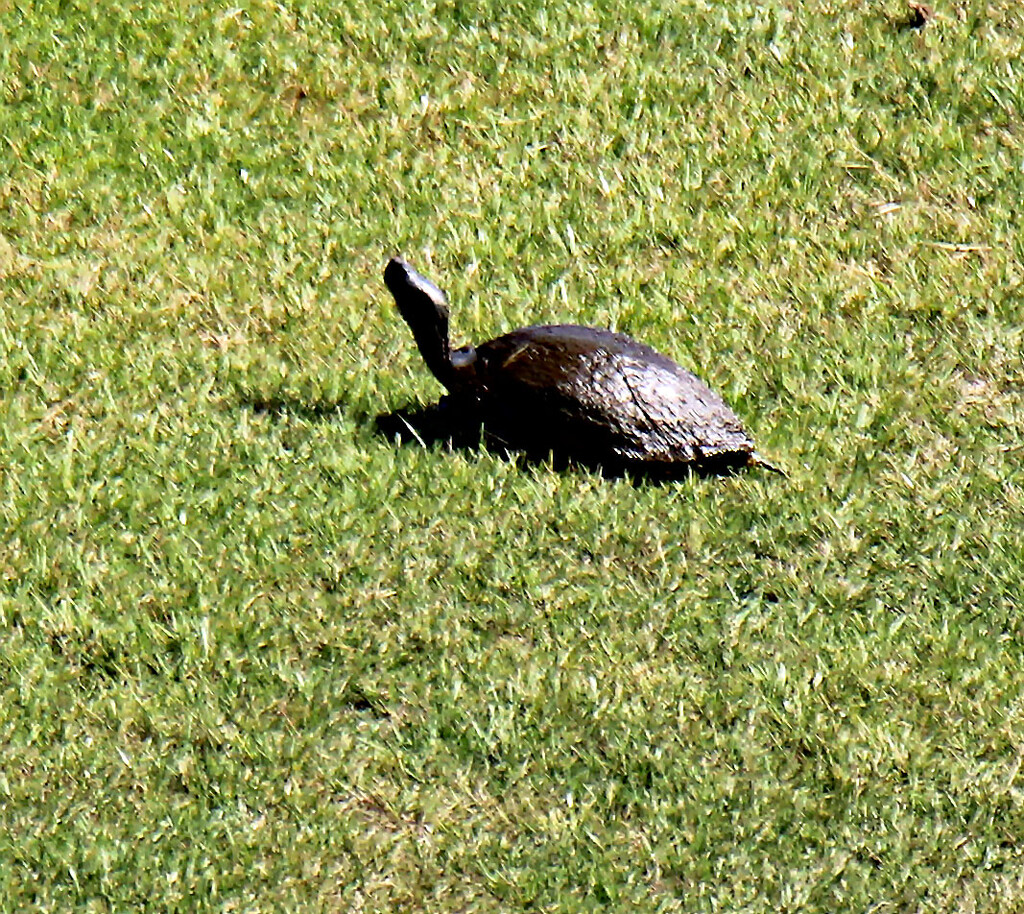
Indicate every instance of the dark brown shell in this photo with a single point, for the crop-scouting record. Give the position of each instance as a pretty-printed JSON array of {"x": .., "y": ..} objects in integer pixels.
[{"x": 601, "y": 396}]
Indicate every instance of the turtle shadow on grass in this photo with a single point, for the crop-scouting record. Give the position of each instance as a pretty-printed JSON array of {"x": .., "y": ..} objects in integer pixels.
[{"x": 442, "y": 424}]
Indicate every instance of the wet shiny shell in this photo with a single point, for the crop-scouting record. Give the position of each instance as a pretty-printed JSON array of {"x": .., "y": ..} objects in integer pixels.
[{"x": 600, "y": 395}]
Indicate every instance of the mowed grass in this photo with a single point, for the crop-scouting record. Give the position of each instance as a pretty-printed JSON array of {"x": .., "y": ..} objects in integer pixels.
[{"x": 255, "y": 657}]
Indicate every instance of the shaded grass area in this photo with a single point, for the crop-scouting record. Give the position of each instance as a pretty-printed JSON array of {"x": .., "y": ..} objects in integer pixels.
[{"x": 258, "y": 657}]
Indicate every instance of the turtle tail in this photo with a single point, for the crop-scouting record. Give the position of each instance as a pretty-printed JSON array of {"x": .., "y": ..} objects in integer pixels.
[{"x": 756, "y": 460}]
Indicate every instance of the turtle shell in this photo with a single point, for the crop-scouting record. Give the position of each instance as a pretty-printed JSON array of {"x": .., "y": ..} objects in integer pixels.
[{"x": 602, "y": 397}]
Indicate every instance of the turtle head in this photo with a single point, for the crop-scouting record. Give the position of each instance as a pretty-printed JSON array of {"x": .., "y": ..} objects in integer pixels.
[
  {"x": 425, "y": 309},
  {"x": 419, "y": 300}
]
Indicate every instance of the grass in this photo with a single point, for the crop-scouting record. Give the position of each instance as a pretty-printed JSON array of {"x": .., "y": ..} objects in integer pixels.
[{"x": 255, "y": 657}]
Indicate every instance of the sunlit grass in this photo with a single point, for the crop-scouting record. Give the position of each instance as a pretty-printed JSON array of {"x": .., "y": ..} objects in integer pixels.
[{"x": 256, "y": 657}]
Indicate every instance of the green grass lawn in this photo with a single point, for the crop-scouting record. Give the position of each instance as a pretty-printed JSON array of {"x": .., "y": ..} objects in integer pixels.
[{"x": 256, "y": 657}]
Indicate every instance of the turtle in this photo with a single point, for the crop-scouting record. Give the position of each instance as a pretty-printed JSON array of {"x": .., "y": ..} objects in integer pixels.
[{"x": 595, "y": 396}]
